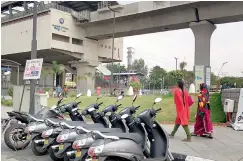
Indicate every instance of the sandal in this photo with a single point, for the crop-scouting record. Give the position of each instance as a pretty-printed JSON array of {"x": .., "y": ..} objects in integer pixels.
[
  {"x": 171, "y": 136},
  {"x": 187, "y": 140}
]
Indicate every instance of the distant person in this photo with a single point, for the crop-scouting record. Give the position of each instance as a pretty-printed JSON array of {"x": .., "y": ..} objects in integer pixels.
[
  {"x": 98, "y": 90},
  {"x": 59, "y": 90},
  {"x": 54, "y": 92},
  {"x": 203, "y": 125},
  {"x": 65, "y": 91},
  {"x": 182, "y": 110}
]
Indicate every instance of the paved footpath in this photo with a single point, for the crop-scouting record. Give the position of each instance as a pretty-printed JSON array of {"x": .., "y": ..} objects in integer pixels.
[{"x": 227, "y": 145}]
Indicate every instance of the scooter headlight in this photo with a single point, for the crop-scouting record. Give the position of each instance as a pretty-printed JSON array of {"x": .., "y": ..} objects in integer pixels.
[
  {"x": 79, "y": 143},
  {"x": 62, "y": 138},
  {"x": 30, "y": 128},
  {"x": 47, "y": 133},
  {"x": 95, "y": 151}
]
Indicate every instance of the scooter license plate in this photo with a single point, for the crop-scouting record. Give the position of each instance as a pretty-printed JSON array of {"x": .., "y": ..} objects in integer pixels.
[
  {"x": 46, "y": 141},
  {"x": 78, "y": 153},
  {"x": 61, "y": 146},
  {"x": 28, "y": 137}
]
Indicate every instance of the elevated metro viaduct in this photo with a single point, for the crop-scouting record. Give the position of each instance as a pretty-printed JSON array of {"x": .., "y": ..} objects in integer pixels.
[{"x": 139, "y": 18}]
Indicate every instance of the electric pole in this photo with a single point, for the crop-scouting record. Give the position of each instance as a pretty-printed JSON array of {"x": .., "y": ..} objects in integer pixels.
[{"x": 176, "y": 62}]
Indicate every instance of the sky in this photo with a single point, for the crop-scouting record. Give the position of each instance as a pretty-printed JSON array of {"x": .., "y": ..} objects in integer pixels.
[{"x": 161, "y": 48}]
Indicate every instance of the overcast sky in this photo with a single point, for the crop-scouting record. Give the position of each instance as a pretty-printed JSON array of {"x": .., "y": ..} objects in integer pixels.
[{"x": 161, "y": 48}]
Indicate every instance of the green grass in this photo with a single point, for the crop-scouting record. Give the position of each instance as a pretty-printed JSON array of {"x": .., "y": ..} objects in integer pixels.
[
  {"x": 168, "y": 112},
  {"x": 8, "y": 103}
]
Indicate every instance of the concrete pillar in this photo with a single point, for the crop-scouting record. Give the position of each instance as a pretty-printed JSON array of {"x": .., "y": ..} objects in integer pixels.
[
  {"x": 10, "y": 10},
  {"x": 202, "y": 32},
  {"x": 25, "y": 5},
  {"x": 85, "y": 75}
]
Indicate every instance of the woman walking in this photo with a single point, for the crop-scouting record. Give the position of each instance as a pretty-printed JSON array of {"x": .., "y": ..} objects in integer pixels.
[
  {"x": 203, "y": 126},
  {"x": 182, "y": 110}
]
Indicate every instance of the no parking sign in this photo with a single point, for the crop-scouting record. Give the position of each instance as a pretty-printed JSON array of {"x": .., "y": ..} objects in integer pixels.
[{"x": 33, "y": 69}]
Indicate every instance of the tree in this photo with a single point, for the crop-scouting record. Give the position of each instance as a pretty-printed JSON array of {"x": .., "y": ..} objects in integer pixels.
[
  {"x": 45, "y": 72},
  {"x": 156, "y": 75},
  {"x": 58, "y": 69},
  {"x": 183, "y": 65},
  {"x": 172, "y": 77},
  {"x": 139, "y": 66},
  {"x": 116, "y": 68}
]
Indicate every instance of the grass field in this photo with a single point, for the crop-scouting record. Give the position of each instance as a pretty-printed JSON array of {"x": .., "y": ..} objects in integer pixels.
[{"x": 168, "y": 112}]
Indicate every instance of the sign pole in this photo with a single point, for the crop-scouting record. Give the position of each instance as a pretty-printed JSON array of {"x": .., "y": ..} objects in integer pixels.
[
  {"x": 33, "y": 56},
  {"x": 21, "y": 100}
]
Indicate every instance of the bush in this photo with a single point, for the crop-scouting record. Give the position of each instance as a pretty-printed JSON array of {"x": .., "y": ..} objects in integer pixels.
[
  {"x": 72, "y": 94},
  {"x": 46, "y": 89},
  {"x": 8, "y": 103},
  {"x": 136, "y": 85},
  {"x": 10, "y": 91}
]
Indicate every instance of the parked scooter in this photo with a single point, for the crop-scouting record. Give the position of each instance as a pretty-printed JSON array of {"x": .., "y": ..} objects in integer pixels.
[
  {"x": 35, "y": 129},
  {"x": 49, "y": 136},
  {"x": 119, "y": 147},
  {"x": 15, "y": 137},
  {"x": 67, "y": 137},
  {"x": 83, "y": 142}
]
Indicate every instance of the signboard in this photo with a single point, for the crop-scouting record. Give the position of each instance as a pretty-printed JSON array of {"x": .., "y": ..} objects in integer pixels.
[
  {"x": 208, "y": 76},
  {"x": 238, "y": 124},
  {"x": 33, "y": 69},
  {"x": 199, "y": 76}
]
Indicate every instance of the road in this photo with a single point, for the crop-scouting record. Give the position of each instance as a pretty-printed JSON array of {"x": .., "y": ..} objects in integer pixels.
[{"x": 227, "y": 145}]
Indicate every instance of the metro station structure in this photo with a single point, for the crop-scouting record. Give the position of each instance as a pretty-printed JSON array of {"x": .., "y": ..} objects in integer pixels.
[{"x": 78, "y": 34}]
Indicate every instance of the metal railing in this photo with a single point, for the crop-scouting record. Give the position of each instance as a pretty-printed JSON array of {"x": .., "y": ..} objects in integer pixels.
[{"x": 81, "y": 16}]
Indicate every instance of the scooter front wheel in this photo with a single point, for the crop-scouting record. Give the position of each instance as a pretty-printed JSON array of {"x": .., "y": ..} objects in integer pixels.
[
  {"x": 37, "y": 147},
  {"x": 53, "y": 156},
  {"x": 15, "y": 138},
  {"x": 69, "y": 158}
]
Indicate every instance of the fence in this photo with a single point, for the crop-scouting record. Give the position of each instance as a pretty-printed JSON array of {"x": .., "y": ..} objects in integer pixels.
[{"x": 83, "y": 15}]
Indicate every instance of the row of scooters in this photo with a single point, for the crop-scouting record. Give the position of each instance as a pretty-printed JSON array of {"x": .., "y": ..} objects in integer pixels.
[{"x": 113, "y": 136}]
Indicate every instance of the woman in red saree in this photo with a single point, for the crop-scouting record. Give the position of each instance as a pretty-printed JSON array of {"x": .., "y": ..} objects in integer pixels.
[
  {"x": 182, "y": 110},
  {"x": 203, "y": 126}
]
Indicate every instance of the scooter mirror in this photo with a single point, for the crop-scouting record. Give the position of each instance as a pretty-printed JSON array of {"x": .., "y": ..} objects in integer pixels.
[
  {"x": 60, "y": 94},
  {"x": 134, "y": 98},
  {"x": 53, "y": 107},
  {"x": 157, "y": 100},
  {"x": 78, "y": 95},
  {"x": 119, "y": 98}
]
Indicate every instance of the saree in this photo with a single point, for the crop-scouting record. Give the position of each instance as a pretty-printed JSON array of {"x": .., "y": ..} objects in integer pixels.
[{"x": 203, "y": 123}]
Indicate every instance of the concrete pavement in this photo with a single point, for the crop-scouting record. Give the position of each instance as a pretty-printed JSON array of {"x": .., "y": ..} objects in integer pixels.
[{"x": 227, "y": 145}]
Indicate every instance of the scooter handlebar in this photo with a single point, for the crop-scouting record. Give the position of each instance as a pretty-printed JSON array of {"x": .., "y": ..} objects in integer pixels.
[
  {"x": 100, "y": 104},
  {"x": 137, "y": 107},
  {"x": 78, "y": 102},
  {"x": 119, "y": 105},
  {"x": 158, "y": 110}
]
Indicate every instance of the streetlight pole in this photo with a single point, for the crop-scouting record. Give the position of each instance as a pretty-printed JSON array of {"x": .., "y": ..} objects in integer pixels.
[
  {"x": 33, "y": 56},
  {"x": 113, "y": 40},
  {"x": 176, "y": 62},
  {"x": 220, "y": 71}
]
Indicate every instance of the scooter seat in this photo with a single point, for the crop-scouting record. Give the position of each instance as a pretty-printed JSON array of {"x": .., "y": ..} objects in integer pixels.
[
  {"x": 81, "y": 130},
  {"x": 131, "y": 136}
]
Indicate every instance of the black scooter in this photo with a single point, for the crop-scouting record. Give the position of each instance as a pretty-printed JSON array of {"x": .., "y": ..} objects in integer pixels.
[
  {"x": 68, "y": 136},
  {"x": 34, "y": 130},
  {"x": 15, "y": 137},
  {"x": 119, "y": 147},
  {"x": 83, "y": 142}
]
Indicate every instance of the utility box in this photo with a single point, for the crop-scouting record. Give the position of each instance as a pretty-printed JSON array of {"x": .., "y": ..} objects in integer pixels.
[
  {"x": 229, "y": 105},
  {"x": 40, "y": 99}
]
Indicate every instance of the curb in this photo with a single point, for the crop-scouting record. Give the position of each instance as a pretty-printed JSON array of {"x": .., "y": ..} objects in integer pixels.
[
  {"x": 182, "y": 157},
  {"x": 191, "y": 123}
]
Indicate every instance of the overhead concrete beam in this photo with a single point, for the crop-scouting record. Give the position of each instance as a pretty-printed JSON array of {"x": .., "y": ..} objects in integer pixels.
[{"x": 172, "y": 18}]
